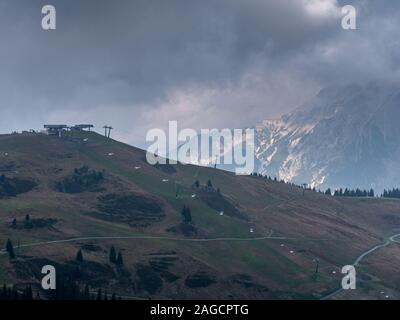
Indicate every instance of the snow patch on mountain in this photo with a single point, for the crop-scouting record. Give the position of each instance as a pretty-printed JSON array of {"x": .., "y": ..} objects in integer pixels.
[{"x": 346, "y": 136}]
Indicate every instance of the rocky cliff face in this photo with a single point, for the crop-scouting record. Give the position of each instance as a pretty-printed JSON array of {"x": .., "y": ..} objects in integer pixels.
[{"x": 346, "y": 136}]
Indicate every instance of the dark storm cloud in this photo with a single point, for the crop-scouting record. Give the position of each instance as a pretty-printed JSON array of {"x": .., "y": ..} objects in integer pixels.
[{"x": 224, "y": 63}]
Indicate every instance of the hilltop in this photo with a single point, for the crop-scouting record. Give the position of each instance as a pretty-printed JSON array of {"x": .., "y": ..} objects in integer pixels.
[{"x": 246, "y": 237}]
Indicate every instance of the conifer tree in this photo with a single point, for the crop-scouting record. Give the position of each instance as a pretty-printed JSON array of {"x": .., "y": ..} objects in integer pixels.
[
  {"x": 99, "y": 295},
  {"x": 86, "y": 292},
  {"x": 10, "y": 249},
  {"x": 120, "y": 260},
  {"x": 186, "y": 214},
  {"x": 113, "y": 255},
  {"x": 79, "y": 256}
]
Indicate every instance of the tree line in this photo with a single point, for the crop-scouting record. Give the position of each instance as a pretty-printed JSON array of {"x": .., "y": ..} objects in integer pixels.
[
  {"x": 66, "y": 290},
  {"x": 394, "y": 193},
  {"x": 341, "y": 192},
  {"x": 11, "y": 293},
  {"x": 351, "y": 192}
]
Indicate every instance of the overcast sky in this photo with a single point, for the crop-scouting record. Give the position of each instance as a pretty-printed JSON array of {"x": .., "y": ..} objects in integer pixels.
[{"x": 206, "y": 63}]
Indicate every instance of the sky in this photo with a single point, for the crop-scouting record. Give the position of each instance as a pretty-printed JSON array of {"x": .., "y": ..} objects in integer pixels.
[{"x": 137, "y": 64}]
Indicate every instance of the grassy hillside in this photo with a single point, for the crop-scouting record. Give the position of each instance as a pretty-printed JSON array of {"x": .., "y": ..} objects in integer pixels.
[{"x": 102, "y": 190}]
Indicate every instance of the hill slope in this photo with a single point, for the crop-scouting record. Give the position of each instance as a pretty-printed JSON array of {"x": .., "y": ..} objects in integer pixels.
[{"x": 91, "y": 193}]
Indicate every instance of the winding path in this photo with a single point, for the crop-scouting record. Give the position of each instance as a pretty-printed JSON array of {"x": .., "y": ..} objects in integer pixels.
[
  {"x": 269, "y": 237},
  {"x": 361, "y": 257}
]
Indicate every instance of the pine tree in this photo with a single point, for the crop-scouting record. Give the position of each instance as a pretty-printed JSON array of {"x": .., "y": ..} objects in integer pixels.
[
  {"x": 186, "y": 214},
  {"x": 14, "y": 295},
  {"x": 120, "y": 261},
  {"x": 99, "y": 295},
  {"x": 27, "y": 294},
  {"x": 79, "y": 256},
  {"x": 4, "y": 295},
  {"x": 10, "y": 249},
  {"x": 86, "y": 293},
  {"x": 113, "y": 255},
  {"x": 371, "y": 193}
]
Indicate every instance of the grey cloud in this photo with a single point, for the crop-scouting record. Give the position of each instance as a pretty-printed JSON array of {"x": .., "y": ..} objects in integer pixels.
[{"x": 233, "y": 61}]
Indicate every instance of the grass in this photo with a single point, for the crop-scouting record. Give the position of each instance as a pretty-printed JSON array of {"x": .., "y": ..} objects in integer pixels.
[
  {"x": 205, "y": 217},
  {"x": 269, "y": 205}
]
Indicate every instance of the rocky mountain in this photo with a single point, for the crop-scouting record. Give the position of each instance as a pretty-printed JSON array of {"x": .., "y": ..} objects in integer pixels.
[{"x": 346, "y": 136}]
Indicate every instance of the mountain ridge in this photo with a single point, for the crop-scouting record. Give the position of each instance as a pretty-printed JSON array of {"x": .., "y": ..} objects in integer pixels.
[{"x": 345, "y": 136}]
